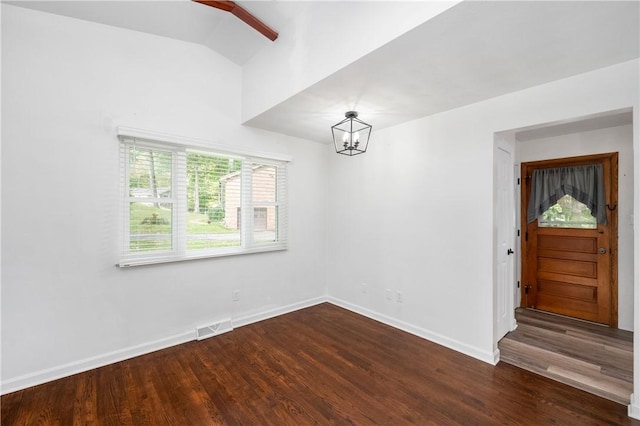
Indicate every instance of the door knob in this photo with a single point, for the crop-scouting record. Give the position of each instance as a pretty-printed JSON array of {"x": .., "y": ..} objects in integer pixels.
[
  {"x": 602, "y": 250},
  {"x": 509, "y": 251}
]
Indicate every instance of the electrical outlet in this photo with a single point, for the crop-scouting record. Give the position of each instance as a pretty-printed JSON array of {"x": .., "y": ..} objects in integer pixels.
[
  {"x": 388, "y": 293},
  {"x": 399, "y": 297},
  {"x": 235, "y": 295}
]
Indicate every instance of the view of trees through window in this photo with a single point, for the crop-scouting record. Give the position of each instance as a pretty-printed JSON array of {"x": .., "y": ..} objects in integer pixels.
[
  {"x": 207, "y": 226},
  {"x": 203, "y": 181},
  {"x": 151, "y": 205},
  {"x": 151, "y": 215},
  {"x": 568, "y": 213}
]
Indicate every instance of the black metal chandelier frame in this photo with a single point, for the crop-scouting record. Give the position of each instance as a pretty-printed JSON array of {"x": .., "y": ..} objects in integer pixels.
[{"x": 347, "y": 135}]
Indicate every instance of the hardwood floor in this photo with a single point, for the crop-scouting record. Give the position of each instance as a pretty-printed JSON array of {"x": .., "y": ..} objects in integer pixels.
[
  {"x": 589, "y": 356},
  {"x": 320, "y": 365}
]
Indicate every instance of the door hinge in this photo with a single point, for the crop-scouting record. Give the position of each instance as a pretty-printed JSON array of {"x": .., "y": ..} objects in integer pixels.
[
  {"x": 518, "y": 284},
  {"x": 518, "y": 181},
  {"x": 518, "y": 232}
]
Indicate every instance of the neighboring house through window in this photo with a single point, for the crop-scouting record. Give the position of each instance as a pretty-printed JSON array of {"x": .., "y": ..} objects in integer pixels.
[{"x": 263, "y": 192}]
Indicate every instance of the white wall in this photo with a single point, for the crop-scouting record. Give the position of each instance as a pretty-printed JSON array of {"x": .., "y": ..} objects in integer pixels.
[
  {"x": 415, "y": 214},
  {"x": 65, "y": 306},
  {"x": 613, "y": 139}
]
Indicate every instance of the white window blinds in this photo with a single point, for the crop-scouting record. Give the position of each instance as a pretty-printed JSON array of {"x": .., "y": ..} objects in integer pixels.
[{"x": 181, "y": 202}]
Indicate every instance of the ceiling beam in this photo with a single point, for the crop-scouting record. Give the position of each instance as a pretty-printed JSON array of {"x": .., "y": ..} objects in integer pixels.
[{"x": 244, "y": 15}]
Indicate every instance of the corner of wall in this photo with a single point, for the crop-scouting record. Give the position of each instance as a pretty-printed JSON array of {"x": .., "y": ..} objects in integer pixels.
[{"x": 474, "y": 352}]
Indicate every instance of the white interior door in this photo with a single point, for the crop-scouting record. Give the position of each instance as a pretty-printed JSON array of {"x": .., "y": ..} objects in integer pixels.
[{"x": 504, "y": 217}]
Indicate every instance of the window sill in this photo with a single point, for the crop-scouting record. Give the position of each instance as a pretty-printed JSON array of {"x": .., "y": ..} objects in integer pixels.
[{"x": 142, "y": 261}]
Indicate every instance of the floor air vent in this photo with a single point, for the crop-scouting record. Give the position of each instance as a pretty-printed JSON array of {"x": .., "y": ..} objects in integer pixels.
[{"x": 214, "y": 329}]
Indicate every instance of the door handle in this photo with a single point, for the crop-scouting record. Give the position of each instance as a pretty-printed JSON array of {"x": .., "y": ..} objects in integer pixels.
[
  {"x": 510, "y": 252},
  {"x": 602, "y": 250}
]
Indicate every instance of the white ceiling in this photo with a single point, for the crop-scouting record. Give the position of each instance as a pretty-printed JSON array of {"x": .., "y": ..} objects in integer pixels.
[
  {"x": 474, "y": 51},
  {"x": 183, "y": 20}
]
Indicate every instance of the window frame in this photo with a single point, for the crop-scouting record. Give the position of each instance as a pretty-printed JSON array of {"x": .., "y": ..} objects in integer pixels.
[{"x": 180, "y": 148}]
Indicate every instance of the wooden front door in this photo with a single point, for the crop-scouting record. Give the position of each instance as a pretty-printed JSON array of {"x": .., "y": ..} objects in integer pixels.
[{"x": 572, "y": 270}]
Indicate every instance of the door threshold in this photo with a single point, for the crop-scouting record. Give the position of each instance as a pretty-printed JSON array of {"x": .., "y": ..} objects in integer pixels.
[{"x": 568, "y": 317}]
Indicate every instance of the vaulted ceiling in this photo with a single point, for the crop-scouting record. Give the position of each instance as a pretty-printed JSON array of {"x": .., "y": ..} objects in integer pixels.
[
  {"x": 183, "y": 20},
  {"x": 473, "y": 51}
]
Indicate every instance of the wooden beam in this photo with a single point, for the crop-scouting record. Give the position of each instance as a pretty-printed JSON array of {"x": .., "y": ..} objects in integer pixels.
[
  {"x": 254, "y": 22},
  {"x": 244, "y": 15},
  {"x": 222, "y": 5}
]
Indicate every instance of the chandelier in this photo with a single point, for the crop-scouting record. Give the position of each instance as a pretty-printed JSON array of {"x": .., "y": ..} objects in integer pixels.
[{"x": 351, "y": 135}]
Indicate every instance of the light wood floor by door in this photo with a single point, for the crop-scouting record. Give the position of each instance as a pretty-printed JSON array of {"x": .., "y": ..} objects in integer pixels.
[
  {"x": 321, "y": 365},
  {"x": 588, "y": 356}
]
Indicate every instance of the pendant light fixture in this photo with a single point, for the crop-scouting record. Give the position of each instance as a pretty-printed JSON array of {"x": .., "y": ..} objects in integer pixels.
[{"x": 351, "y": 135}]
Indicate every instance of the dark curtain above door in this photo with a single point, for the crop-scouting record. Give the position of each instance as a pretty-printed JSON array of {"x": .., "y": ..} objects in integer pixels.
[{"x": 584, "y": 183}]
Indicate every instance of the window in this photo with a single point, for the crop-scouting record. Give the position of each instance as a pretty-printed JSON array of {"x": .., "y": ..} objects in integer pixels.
[
  {"x": 568, "y": 213},
  {"x": 151, "y": 204},
  {"x": 181, "y": 202}
]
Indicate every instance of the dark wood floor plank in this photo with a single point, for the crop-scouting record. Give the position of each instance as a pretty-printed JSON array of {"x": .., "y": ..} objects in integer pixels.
[
  {"x": 86, "y": 399},
  {"x": 321, "y": 365},
  {"x": 114, "y": 407},
  {"x": 228, "y": 391}
]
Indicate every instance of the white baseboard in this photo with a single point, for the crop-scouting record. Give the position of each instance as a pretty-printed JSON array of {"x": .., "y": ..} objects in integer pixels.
[
  {"x": 54, "y": 373},
  {"x": 457, "y": 346},
  {"x": 496, "y": 357},
  {"x": 634, "y": 407}
]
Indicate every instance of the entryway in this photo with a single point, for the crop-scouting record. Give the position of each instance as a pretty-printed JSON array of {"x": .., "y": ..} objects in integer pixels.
[
  {"x": 570, "y": 245},
  {"x": 583, "y": 271}
]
